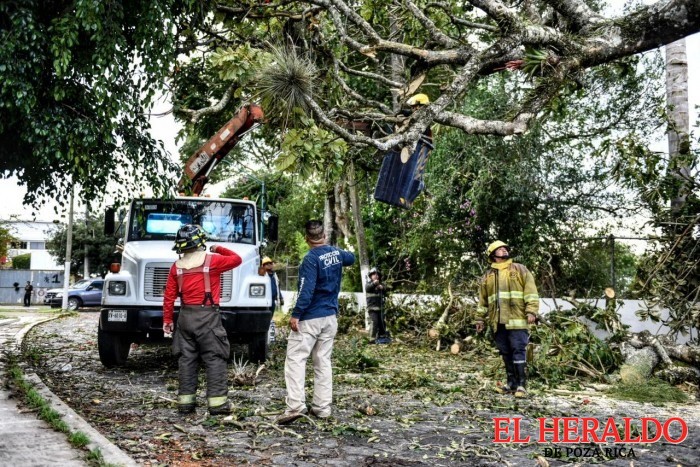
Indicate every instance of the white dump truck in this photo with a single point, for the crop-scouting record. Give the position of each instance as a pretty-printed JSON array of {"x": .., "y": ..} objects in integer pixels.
[{"x": 132, "y": 300}]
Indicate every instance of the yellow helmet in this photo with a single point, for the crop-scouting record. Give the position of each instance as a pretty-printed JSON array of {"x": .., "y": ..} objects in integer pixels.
[
  {"x": 418, "y": 99},
  {"x": 266, "y": 260},
  {"x": 495, "y": 246}
]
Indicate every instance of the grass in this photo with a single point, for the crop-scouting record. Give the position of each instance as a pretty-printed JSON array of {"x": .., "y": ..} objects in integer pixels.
[
  {"x": 653, "y": 390},
  {"x": 44, "y": 411}
]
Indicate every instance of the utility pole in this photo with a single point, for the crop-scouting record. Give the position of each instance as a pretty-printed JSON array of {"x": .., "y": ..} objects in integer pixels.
[
  {"x": 69, "y": 244},
  {"x": 86, "y": 260}
]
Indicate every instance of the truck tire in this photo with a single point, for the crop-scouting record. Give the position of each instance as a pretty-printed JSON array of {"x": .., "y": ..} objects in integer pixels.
[
  {"x": 258, "y": 348},
  {"x": 113, "y": 348}
]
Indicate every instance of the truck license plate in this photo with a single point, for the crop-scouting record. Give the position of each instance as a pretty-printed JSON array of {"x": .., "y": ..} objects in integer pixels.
[{"x": 116, "y": 315}]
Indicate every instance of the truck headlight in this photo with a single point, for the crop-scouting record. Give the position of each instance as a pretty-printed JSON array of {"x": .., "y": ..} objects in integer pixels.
[
  {"x": 58, "y": 295},
  {"x": 117, "y": 288},
  {"x": 256, "y": 290}
]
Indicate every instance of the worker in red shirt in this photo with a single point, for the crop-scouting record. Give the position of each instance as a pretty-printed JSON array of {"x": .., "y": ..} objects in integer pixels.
[{"x": 196, "y": 279}]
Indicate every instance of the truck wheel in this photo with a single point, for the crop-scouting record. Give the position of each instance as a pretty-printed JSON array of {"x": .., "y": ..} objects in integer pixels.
[
  {"x": 258, "y": 347},
  {"x": 113, "y": 348}
]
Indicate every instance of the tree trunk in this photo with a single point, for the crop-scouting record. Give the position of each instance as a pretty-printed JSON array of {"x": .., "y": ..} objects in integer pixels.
[
  {"x": 342, "y": 210},
  {"x": 359, "y": 235},
  {"x": 328, "y": 217},
  {"x": 678, "y": 132}
]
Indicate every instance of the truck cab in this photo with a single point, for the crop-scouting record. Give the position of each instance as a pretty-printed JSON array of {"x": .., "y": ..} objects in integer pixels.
[{"x": 132, "y": 301}]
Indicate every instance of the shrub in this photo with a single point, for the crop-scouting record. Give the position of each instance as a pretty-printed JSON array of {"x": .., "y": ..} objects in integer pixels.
[{"x": 22, "y": 261}]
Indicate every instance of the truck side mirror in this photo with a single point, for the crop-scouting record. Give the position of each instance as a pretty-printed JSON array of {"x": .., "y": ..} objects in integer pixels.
[
  {"x": 273, "y": 228},
  {"x": 109, "y": 221}
]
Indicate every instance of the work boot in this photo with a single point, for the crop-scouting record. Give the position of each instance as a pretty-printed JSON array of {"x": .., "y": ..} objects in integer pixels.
[
  {"x": 186, "y": 403},
  {"x": 185, "y": 409},
  {"x": 223, "y": 409},
  {"x": 511, "y": 383},
  {"x": 289, "y": 417},
  {"x": 521, "y": 379}
]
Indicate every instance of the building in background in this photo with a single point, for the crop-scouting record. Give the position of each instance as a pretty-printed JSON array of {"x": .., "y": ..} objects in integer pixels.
[
  {"x": 44, "y": 272},
  {"x": 31, "y": 239}
]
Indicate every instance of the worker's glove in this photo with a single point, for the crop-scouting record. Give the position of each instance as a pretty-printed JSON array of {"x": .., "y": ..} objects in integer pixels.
[{"x": 213, "y": 248}]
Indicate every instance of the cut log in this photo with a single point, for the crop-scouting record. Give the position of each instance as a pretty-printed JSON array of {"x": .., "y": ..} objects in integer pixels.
[
  {"x": 455, "y": 348},
  {"x": 639, "y": 365},
  {"x": 684, "y": 353},
  {"x": 680, "y": 374},
  {"x": 646, "y": 339}
]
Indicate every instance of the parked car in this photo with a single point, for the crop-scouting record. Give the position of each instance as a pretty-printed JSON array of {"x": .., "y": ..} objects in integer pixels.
[{"x": 86, "y": 292}]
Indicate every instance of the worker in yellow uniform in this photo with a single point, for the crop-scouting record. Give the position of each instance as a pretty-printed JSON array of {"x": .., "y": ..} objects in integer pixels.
[{"x": 509, "y": 303}]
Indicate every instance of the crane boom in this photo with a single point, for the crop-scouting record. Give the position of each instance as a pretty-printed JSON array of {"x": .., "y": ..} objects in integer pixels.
[{"x": 207, "y": 156}]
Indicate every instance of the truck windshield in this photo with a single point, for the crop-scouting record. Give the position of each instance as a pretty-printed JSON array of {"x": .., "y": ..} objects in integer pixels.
[{"x": 223, "y": 221}]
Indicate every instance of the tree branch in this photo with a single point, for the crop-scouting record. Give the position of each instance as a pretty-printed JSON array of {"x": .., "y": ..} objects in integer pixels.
[
  {"x": 437, "y": 35},
  {"x": 195, "y": 115}
]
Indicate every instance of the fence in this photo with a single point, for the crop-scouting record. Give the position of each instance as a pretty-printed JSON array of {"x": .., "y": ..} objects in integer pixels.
[
  {"x": 42, "y": 281},
  {"x": 288, "y": 276}
]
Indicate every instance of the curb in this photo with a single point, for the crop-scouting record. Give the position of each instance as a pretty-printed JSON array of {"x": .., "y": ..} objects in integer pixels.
[{"x": 111, "y": 453}]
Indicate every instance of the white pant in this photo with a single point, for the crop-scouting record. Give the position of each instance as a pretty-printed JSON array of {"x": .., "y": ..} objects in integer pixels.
[{"x": 315, "y": 338}]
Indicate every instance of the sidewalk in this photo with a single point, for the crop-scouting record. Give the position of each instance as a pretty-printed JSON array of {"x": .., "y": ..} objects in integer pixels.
[{"x": 24, "y": 439}]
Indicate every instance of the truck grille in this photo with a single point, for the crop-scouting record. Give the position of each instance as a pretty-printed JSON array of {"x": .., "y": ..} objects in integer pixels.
[{"x": 157, "y": 276}]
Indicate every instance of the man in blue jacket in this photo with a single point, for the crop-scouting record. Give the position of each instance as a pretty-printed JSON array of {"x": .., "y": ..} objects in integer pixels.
[{"x": 314, "y": 325}]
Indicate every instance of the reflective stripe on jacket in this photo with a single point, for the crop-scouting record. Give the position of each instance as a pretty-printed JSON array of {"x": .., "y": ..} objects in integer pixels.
[{"x": 506, "y": 296}]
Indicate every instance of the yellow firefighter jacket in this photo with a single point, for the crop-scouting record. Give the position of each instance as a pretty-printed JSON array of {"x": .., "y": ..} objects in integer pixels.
[{"x": 507, "y": 294}]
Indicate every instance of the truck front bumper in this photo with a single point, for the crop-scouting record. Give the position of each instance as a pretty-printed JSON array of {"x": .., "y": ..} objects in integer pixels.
[{"x": 238, "y": 322}]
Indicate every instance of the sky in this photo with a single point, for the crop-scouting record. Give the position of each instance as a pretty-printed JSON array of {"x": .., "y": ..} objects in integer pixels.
[{"x": 165, "y": 129}]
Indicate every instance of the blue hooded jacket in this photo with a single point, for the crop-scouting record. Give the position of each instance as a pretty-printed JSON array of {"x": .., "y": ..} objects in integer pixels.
[{"x": 319, "y": 282}]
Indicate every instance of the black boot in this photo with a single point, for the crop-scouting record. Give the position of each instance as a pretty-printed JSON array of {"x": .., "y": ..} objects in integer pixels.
[
  {"x": 511, "y": 382},
  {"x": 521, "y": 379},
  {"x": 185, "y": 408}
]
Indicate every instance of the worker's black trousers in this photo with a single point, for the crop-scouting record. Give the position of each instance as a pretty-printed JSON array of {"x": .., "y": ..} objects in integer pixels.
[
  {"x": 199, "y": 333},
  {"x": 377, "y": 326}
]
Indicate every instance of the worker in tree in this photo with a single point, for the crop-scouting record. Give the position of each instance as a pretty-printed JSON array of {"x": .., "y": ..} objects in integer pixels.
[
  {"x": 268, "y": 268},
  {"x": 509, "y": 302},
  {"x": 196, "y": 279},
  {"x": 376, "y": 294},
  {"x": 417, "y": 100}
]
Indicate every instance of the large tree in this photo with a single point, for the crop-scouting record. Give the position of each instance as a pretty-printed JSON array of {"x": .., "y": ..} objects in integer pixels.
[
  {"x": 76, "y": 83},
  {"x": 447, "y": 48},
  {"x": 88, "y": 238}
]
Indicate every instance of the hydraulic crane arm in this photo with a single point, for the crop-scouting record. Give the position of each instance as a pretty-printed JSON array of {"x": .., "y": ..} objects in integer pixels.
[{"x": 208, "y": 156}]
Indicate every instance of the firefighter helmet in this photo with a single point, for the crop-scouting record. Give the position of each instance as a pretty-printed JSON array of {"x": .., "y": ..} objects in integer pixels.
[
  {"x": 189, "y": 237},
  {"x": 495, "y": 246},
  {"x": 418, "y": 99},
  {"x": 374, "y": 271}
]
